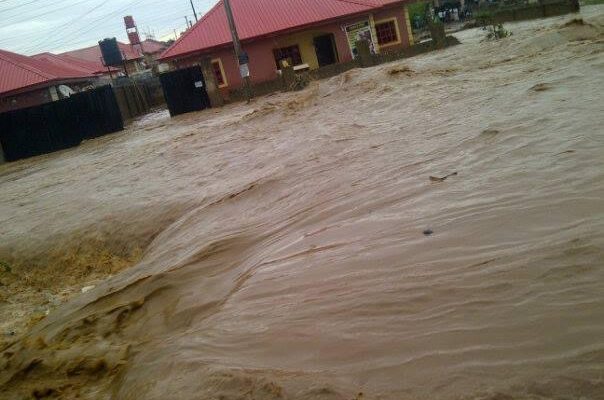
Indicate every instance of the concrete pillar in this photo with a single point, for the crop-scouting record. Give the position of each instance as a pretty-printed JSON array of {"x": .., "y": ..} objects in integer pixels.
[
  {"x": 216, "y": 99},
  {"x": 376, "y": 45},
  {"x": 409, "y": 26}
]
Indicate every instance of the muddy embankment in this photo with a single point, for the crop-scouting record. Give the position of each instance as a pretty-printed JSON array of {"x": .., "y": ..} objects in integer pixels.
[{"x": 307, "y": 246}]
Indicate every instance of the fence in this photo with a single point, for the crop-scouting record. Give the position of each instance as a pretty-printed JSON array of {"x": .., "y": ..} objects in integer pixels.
[
  {"x": 522, "y": 12},
  {"x": 59, "y": 125},
  {"x": 137, "y": 97}
]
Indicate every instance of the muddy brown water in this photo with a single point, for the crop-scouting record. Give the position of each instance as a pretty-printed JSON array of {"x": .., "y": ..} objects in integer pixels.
[{"x": 284, "y": 246}]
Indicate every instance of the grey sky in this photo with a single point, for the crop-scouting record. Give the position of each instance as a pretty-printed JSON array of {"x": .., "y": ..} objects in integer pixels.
[{"x": 35, "y": 26}]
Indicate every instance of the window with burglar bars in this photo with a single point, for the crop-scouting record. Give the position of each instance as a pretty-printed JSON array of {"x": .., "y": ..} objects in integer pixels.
[
  {"x": 219, "y": 73},
  {"x": 386, "y": 32},
  {"x": 290, "y": 52}
]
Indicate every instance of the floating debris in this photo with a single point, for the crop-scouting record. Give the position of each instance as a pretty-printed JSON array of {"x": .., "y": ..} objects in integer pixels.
[{"x": 437, "y": 179}]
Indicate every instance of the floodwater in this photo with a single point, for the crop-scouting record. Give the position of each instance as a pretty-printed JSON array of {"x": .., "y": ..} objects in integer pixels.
[{"x": 282, "y": 249}]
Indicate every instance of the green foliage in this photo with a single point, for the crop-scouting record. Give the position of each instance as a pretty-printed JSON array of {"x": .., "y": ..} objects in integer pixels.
[
  {"x": 4, "y": 267},
  {"x": 418, "y": 13},
  {"x": 497, "y": 31},
  {"x": 483, "y": 18},
  {"x": 417, "y": 10},
  {"x": 300, "y": 82}
]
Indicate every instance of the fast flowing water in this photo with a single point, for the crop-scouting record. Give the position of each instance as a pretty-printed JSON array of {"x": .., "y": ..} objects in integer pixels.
[{"x": 298, "y": 248}]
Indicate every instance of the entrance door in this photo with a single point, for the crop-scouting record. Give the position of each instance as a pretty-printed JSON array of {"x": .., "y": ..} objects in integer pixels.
[
  {"x": 184, "y": 90},
  {"x": 326, "y": 50}
]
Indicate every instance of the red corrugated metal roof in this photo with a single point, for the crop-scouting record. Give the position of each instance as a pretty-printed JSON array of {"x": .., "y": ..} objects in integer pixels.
[
  {"x": 151, "y": 46},
  {"x": 256, "y": 18},
  {"x": 59, "y": 61},
  {"x": 72, "y": 62},
  {"x": 93, "y": 54},
  {"x": 20, "y": 72}
]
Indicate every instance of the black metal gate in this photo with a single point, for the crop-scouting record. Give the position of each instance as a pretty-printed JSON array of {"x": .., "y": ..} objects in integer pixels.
[
  {"x": 185, "y": 90},
  {"x": 59, "y": 125}
]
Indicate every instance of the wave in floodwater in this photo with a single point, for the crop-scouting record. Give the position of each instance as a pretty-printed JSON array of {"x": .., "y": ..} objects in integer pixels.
[{"x": 431, "y": 228}]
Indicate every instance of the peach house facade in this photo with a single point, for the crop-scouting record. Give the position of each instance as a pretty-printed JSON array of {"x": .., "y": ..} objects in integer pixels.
[{"x": 308, "y": 48}]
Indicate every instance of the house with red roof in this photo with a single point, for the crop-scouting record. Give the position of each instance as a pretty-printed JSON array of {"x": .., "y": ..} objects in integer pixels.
[
  {"x": 309, "y": 33},
  {"x": 71, "y": 62},
  {"x": 153, "y": 47},
  {"x": 134, "y": 59},
  {"x": 27, "y": 81}
]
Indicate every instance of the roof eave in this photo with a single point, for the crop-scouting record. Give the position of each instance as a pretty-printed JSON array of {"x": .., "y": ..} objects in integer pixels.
[
  {"x": 45, "y": 84},
  {"x": 276, "y": 33}
]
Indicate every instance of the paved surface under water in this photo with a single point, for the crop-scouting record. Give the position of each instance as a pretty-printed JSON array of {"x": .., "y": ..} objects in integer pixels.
[{"x": 284, "y": 246}]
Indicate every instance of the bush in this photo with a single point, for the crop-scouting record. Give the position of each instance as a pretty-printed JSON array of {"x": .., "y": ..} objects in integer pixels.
[{"x": 497, "y": 31}]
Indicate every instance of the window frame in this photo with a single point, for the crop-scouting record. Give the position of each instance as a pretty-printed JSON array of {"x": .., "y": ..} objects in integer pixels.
[
  {"x": 396, "y": 28},
  {"x": 224, "y": 77},
  {"x": 277, "y": 62}
]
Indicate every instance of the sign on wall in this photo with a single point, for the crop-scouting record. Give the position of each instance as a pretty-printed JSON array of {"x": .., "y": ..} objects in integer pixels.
[
  {"x": 244, "y": 65},
  {"x": 359, "y": 31}
]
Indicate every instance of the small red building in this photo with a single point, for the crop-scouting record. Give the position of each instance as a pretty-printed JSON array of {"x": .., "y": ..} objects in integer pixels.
[
  {"x": 134, "y": 60},
  {"x": 27, "y": 81},
  {"x": 70, "y": 62},
  {"x": 311, "y": 33}
]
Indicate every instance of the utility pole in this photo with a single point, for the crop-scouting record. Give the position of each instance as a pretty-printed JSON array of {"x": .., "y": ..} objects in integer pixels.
[
  {"x": 242, "y": 56},
  {"x": 194, "y": 12},
  {"x": 187, "y": 22}
]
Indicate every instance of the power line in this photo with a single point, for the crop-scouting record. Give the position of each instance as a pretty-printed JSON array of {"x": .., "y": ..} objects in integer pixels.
[
  {"x": 60, "y": 27},
  {"x": 71, "y": 32},
  {"x": 64, "y": 33},
  {"x": 48, "y": 12},
  {"x": 19, "y": 6},
  {"x": 83, "y": 30}
]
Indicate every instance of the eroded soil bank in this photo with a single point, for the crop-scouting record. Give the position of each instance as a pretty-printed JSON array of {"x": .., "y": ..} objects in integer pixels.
[{"x": 277, "y": 250}]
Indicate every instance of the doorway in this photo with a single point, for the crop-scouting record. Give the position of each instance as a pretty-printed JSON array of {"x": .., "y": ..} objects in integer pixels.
[{"x": 325, "y": 49}]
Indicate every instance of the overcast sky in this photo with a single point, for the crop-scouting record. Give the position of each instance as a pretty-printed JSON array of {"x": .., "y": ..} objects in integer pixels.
[{"x": 36, "y": 26}]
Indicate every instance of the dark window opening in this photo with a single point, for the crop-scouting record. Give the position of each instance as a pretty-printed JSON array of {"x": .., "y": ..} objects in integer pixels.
[
  {"x": 291, "y": 53},
  {"x": 218, "y": 73},
  {"x": 386, "y": 32}
]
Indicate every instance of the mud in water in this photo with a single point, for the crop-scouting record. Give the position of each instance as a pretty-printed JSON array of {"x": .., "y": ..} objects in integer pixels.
[{"x": 431, "y": 228}]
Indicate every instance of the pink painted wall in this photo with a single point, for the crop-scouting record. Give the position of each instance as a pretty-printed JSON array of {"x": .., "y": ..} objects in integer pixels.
[
  {"x": 399, "y": 13},
  {"x": 35, "y": 97},
  {"x": 24, "y": 100},
  {"x": 262, "y": 63}
]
